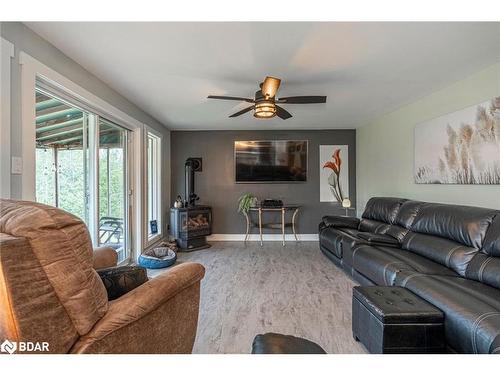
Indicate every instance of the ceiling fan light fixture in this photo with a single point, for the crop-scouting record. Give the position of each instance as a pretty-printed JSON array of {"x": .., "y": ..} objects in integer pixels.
[
  {"x": 264, "y": 103},
  {"x": 265, "y": 109},
  {"x": 270, "y": 86}
]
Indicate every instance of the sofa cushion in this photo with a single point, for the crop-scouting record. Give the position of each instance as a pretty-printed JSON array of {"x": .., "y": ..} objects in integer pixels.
[
  {"x": 373, "y": 226},
  {"x": 381, "y": 264},
  {"x": 441, "y": 250},
  {"x": 341, "y": 222},
  {"x": 353, "y": 233},
  {"x": 491, "y": 243},
  {"x": 484, "y": 268},
  {"x": 404, "y": 219},
  {"x": 407, "y": 213},
  {"x": 463, "y": 224},
  {"x": 332, "y": 239},
  {"x": 382, "y": 209},
  {"x": 472, "y": 309},
  {"x": 378, "y": 239}
]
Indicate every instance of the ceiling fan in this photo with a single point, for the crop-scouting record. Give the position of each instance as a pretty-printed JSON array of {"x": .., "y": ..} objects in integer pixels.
[{"x": 265, "y": 103}]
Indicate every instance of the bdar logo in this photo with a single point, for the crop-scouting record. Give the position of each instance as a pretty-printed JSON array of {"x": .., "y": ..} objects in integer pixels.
[{"x": 8, "y": 347}]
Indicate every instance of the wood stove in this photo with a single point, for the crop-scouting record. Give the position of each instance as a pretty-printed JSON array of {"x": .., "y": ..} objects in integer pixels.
[
  {"x": 192, "y": 223},
  {"x": 190, "y": 226}
]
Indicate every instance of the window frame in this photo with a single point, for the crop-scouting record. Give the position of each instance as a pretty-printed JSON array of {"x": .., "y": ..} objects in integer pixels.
[
  {"x": 150, "y": 240},
  {"x": 6, "y": 57}
]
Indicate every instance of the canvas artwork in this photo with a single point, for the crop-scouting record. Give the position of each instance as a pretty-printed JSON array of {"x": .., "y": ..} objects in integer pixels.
[
  {"x": 334, "y": 173},
  {"x": 462, "y": 147}
]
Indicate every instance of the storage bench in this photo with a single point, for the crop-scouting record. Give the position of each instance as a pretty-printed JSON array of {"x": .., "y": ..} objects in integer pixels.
[{"x": 390, "y": 319}]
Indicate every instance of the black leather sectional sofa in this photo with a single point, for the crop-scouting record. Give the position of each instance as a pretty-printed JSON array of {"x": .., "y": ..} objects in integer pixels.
[{"x": 448, "y": 255}]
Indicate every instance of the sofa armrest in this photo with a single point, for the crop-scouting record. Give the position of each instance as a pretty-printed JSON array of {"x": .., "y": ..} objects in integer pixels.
[
  {"x": 378, "y": 239},
  {"x": 105, "y": 257},
  {"x": 160, "y": 316},
  {"x": 341, "y": 222}
]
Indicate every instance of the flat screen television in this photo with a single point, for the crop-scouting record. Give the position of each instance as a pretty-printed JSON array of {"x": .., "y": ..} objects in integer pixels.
[{"x": 270, "y": 161}]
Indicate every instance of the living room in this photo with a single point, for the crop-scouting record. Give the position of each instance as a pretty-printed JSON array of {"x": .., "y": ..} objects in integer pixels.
[{"x": 319, "y": 187}]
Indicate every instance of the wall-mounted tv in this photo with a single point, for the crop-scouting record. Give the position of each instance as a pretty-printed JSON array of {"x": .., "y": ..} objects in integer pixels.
[{"x": 270, "y": 161}]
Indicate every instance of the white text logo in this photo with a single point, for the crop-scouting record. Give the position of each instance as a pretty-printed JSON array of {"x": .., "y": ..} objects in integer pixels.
[
  {"x": 23, "y": 346},
  {"x": 8, "y": 347}
]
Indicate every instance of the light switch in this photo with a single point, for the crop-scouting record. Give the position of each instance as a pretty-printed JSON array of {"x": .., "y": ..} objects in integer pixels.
[{"x": 16, "y": 165}]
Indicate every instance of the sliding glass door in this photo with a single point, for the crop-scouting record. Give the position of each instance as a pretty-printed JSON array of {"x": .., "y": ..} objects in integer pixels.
[
  {"x": 113, "y": 189},
  {"x": 82, "y": 167},
  {"x": 61, "y": 156}
]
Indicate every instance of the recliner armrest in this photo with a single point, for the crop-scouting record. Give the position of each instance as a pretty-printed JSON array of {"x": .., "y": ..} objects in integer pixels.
[
  {"x": 378, "y": 239},
  {"x": 341, "y": 222},
  {"x": 131, "y": 318}
]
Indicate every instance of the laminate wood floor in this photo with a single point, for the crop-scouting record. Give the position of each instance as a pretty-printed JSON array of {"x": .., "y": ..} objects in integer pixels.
[{"x": 249, "y": 289}]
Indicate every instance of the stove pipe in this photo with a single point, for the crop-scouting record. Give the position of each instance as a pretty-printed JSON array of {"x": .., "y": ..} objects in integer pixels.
[{"x": 190, "y": 196}]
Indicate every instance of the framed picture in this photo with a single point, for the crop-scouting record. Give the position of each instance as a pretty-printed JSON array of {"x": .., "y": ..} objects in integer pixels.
[
  {"x": 462, "y": 147},
  {"x": 333, "y": 173}
]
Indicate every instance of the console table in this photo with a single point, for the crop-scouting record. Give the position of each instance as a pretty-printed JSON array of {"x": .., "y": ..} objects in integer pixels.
[{"x": 272, "y": 225}]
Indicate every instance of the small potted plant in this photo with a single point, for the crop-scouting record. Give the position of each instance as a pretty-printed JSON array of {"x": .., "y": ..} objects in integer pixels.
[{"x": 246, "y": 201}]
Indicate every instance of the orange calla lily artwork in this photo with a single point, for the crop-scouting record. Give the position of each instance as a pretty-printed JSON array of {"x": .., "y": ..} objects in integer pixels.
[{"x": 335, "y": 165}]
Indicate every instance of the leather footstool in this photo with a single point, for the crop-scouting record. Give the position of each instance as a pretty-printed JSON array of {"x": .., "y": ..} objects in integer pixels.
[
  {"x": 274, "y": 343},
  {"x": 394, "y": 320}
]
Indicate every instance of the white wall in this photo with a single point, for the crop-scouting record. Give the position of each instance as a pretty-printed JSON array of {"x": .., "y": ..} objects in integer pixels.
[{"x": 385, "y": 147}]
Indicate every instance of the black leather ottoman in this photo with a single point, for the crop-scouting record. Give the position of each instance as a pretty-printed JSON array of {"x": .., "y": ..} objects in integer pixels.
[
  {"x": 392, "y": 319},
  {"x": 274, "y": 343}
]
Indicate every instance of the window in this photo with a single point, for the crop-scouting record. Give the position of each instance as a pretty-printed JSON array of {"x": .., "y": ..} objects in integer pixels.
[
  {"x": 153, "y": 185},
  {"x": 113, "y": 187},
  {"x": 82, "y": 167},
  {"x": 61, "y": 155}
]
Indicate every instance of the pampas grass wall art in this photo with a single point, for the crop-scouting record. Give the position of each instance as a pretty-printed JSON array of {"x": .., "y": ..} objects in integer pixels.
[{"x": 462, "y": 147}]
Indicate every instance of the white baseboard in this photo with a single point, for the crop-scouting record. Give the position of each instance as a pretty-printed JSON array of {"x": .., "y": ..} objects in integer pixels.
[{"x": 265, "y": 237}]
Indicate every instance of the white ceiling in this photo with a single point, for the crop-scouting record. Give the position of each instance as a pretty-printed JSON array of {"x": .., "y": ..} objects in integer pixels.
[{"x": 365, "y": 69}]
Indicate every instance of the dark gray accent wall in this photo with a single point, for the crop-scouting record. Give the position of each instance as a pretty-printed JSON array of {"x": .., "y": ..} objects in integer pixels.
[{"x": 216, "y": 186}]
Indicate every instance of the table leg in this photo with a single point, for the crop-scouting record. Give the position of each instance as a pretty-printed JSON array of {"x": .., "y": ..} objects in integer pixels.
[
  {"x": 248, "y": 226},
  {"x": 260, "y": 226},
  {"x": 283, "y": 224},
  {"x": 293, "y": 223}
]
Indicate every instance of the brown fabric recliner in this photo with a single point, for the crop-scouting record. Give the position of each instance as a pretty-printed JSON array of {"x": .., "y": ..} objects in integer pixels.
[{"x": 50, "y": 291}]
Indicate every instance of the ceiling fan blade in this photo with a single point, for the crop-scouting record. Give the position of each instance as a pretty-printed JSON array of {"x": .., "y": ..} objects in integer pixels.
[
  {"x": 242, "y": 111},
  {"x": 270, "y": 87},
  {"x": 230, "y": 98},
  {"x": 302, "y": 99},
  {"x": 282, "y": 113}
]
